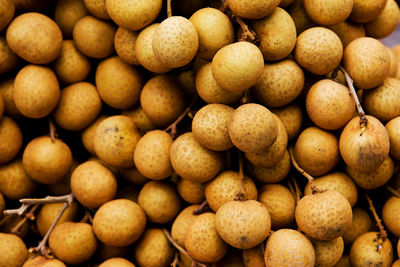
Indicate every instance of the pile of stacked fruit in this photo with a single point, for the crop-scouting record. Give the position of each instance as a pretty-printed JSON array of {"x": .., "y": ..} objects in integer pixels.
[{"x": 199, "y": 133}]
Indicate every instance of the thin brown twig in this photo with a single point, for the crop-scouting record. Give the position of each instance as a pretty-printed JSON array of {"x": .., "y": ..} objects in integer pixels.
[
  {"x": 29, "y": 216},
  {"x": 52, "y": 129},
  {"x": 240, "y": 196},
  {"x": 296, "y": 189},
  {"x": 395, "y": 192},
  {"x": 169, "y": 9},
  {"x": 4, "y": 220},
  {"x": 176, "y": 260},
  {"x": 310, "y": 179},
  {"x": 182, "y": 250},
  {"x": 382, "y": 232},
  {"x": 21, "y": 210},
  {"x": 87, "y": 217},
  {"x": 49, "y": 199},
  {"x": 202, "y": 208},
  {"x": 173, "y": 126}
]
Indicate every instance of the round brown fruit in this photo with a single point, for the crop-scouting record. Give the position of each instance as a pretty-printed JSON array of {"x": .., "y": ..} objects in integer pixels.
[
  {"x": 121, "y": 262},
  {"x": 191, "y": 192},
  {"x": 393, "y": 130},
  {"x": 366, "y": 10},
  {"x": 8, "y": 59},
  {"x": 360, "y": 225},
  {"x": 328, "y": 253},
  {"x": 253, "y": 257},
  {"x": 7, "y": 9},
  {"x": 67, "y": 14},
  {"x": 348, "y": 31},
  {"x": 12, "y": 250},
  {"x": 49, "y": 212},
  {"x": 300, "y": 17},
  {"x": 328, "y": 12},
  {"x": 182, "y": 223},
  {"x": 140, "y": 119},
  {"x": 391, "y": 215},
  {"x": 43, "y": 262},
  {"x": 89, "y": 133},
  {"x": 97, "y": 8},
  {"x": 10, "y": 139},
  {"x": 251, "y": 9},
  {"x": 385, "y": 23},
  {"x": 292, "y": 117},
  {"x": 125, "y": 45}
]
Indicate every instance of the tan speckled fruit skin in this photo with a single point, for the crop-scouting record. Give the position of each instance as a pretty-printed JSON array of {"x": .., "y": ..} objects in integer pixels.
[
  {"x": 190, "y": 191},
  {"x": 360, "y": 225},
  {"x": 253, "y": 9},
  {"x": 366, "y": 10},
  {"x": 47, "y": 161},
  {"x": 344, "y": 261},
  {"x": 97, "y": 8},
  {"x": 363, "y": 252},
  {"x": 210, "y": 126},
  {"x": 324, "y": 216},
  {"x": 348, "y": 31},
  {"x": 273, "y": 174},
  {"x": 71, "y": 66},
  {"x": 214, "y": 29},
  {"x": 393, "y": 63},
  {"x": 328, "y": 12},
  {"x": 366, "y": 150},
  {"x": 89, "y": 133},
  {"x": 385, "y": 23},
  {"x": 279, "y": 84},
  {"x": 243, "y": 225},
  {"x": 140, "y": 119},
  {"x": 14, "y": 181},
  {"x": 73, "y": 243},
  {"x": 328, "y": 253},
  {"x": 272, "y": 155},
  {"x": 224, "y": 188},
  {"x": 238, "y": 66},
  {"x": 7, "y": 9},
  {"x": 175, "y": 42},
  {"x": 40, "y": 261},
  {"x": 288, "y": 248},
  {"x": 34, "y": 37},
  {"x": 381, "y": 102},
  {"x": 280, "y": 204},
  {"x": 336, "y": 181},
  {"x": 367, "y": 62},
  {"x": 391, "y": 215},
  {"x": 67, "y": 13},
  {"x": 2, "y": 106},
  {"x": 277, "y": 34},
  {"x": 144, "y": 50},
  {"x": 329, "y": 104},
  {"x": 115, "y": 140},
  {"x": 210, "y": 91},
  {"x": 13, "y": 250},
  {"x": 93, "y": 184},
  {"x": 253, "y": 128},
  {"x": 79, "y": 106},
  {"x": 133, "y": 15},
  {"x": 318, "y": 50},
  {"x": 162, "y": 100},
  {"x": 10, "y": 139},
  {"x": 393, "y": 130},
  {"x": 202, "y": 240},
  {"x": 151, "y": 155},
  {"x": 120, "y": 262},
  {"x": 292, "y": 117},
  {"x": 253, "y": 257},
  {"x": 300, "y": 17},
  {"x": 36, "y": 91},
  {"x": 94, "y": 37},
  {"x": 160, "y": 201},
  {"x": 398, "y": 247},
  {"x": 119, "y": 222},
  {"x": 316, "y": 151},
  {"x": 182, "y": 223},
  {"x": 124, "y": 44},
  {"x": 194, "y": 162},
  {"x": 9, "y": 59},
  {"x": 48, "y": 213}
]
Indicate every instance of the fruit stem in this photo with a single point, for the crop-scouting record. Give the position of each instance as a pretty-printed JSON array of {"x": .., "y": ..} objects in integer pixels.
[
  {"x": 87, "y": 217},
  {"x": 310, "y": 179},
  {"x": 5, "y": 219},
  {"x": 361, "y": 113},
  {"x": 240, "y": 196},
  {"x": 182, "y": 250},
  {"x": 176, "y": 260},
  {"x": 395, "y": 192},
  {"x": 382, "y": 232},
  {"x": 172, "y": 127},
  {"x": 52, "y": 129},
  {"x": 202, "y": 208},
  {"x": 296, "y": 189},
  {"x": 30, "y": 215},
  {"x": 169, "y": 9},
  {"x": 245, "y": 98}
]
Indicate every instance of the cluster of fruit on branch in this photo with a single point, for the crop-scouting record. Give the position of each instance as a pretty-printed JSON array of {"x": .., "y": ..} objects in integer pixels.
[{"x": 199, "y": 133}]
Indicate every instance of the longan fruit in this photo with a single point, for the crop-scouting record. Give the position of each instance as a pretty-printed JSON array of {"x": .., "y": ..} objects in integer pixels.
[
  {"x": 292, "y": 117},
  {"x": 277, "y": 34},
  {"x": 160, "y": 201},
  {"x": 189, "y": 191},
  {"x": 63, "y": 187},
  {"x": 380, "y": 102},
  {"x": 8, "y": 59},
  {"x": 34, "y": 37},
  {"x": 344, "y": 261},
  {"x": 364, "y": 148},
  {"x": 279, "y": 84},
  {"x": 140, "y": 119},
  {"x": 348, "y": 31},
  {"x": 119, "y": 222},
  {"x": 202, "y": 240},
  {"x": 36, "y": 91},
  {"x": 93, "y": 184},
  {"x": 162, "y": 100},
  {"x": 115, "y": 141},
  {"x": 214, "y": 30},
  {"x": 324, "y": 216},
  {"x": 118, "y": 83},
  {"x": 253, "y": 9},
  {"x": 253, "y": 257},
  {"x": 47, "y": 161},
  {"x": 89, "y": 133},
  {"x": 14, "y": 181},
  {"x": 79, "y": 106},
  {"x": 393, "y": 130},
  {"x": 67, "y": 14},
  {"x": 43, "y": 262},
  {"x": 152, "y": 155},
  {"x": 366, "y": 10},
  {"x": 7, "y": 9},
  {"x": 391, "y": 215},
  {"x": 287, "y": 247},
  {"x": 175, "y": 42},
  {"x": 210, "y": 91},
  {"x": 316, "y": 151},
  {"x": 153, "y": 240},
  {"x": 336, "y": 181},
  {"x": 385, "y": 23},
  {"x": 71, "y": 66},
  {"x": 182, "y": 223},
  {"x": 48, "y": 213},
  {"x": 328, "y": 12},
  {"x": 361, "y": 224},
  {"x": 244, "y": 224},
  {"x": 121, "y": 262},
  {"x": 124, "y": 44},
  {"x": 132, "y": 175},
  {"x": 367, "y": 62},
  {"x": 328, "y": 253},
  {"x": 280, "y": 204},
  {"x": 192, "y": 161},
  {"x": 224, "y": 188},
  {"x": 300, "y": 17},
  {"x": 94, "y": 37},
  {"x": 10, "y": 139},
  {"x": 73, "y": 243},
  {"x": 133, "y": 15},
  {"x": 97, "y": 8},
  {"x": 394, "y": 62},
  {"x": 318, "y": 50},
  {"x": 13, "y": 251},
  {"x": 237, "y": 66}
]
